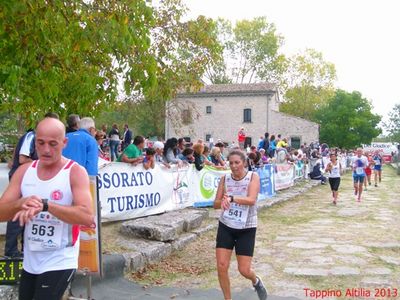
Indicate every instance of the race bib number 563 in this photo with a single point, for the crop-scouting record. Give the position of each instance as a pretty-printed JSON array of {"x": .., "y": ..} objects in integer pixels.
[{"x": 44, "y": 232}]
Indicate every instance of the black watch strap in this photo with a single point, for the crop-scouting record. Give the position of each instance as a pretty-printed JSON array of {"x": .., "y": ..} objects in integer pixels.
[
  {"x": 231, "y": 198},
  {"x": 45, "y": 205}
]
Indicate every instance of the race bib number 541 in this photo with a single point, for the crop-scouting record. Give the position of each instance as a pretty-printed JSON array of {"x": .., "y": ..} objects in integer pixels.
[{"x": 236, "y": 215}]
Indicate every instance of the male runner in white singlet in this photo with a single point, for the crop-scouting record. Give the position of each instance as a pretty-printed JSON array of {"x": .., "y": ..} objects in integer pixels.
[{"x": 51, "y": 197}]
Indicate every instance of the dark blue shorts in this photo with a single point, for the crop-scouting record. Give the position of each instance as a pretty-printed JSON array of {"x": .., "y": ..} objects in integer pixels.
[{"x": 358, "y": 178}]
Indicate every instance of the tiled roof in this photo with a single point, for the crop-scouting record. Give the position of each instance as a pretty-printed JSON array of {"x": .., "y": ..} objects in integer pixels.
[{"x": 232, "y": 89}]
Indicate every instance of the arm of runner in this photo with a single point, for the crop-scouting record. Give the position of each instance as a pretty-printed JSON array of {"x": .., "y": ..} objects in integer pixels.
[
  {"x": 252, "y": 193},
  {"x": 81, "y": 210},
  {"x": 11, "y": 202},
  {"x": 328, "y": 167},
  {"x": 221, "y": 199}
]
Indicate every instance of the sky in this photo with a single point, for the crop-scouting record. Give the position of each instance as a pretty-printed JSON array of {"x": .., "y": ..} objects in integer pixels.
[{"x": 361, "y": 37}]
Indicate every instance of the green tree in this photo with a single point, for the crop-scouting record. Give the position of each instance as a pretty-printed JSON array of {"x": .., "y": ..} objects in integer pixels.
[
  {"x": 347, "y": 121},
  {"x": 309, "y": 84},
  {"x": 69, "y": 56},
  {"x": 251, "y": 53},
  {"x": 182, "y": 50},
  {"x": 87, "y": 57},
  {"x": 392, "y": 126}
]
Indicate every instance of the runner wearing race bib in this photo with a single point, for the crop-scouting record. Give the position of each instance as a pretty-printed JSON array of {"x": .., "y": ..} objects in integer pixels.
[
  {"x": 359, "y": 164},
  {"x": 237, "y": 196},
  {"x": 377, "y": 158},
  {"x": 334, "y": 168},
  {"x": 51, "y": 197}
]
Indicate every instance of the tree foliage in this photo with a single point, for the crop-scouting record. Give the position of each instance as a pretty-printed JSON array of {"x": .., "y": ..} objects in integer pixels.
[
  {"x": 251, "y": 53},
  {"x": 309, "y": 84},
  {"x": 392, "y": 126},
  {"x": 69, "y": 56},
  {"x": 347, "y": 121},
  {"x": 86, "y": 57}
]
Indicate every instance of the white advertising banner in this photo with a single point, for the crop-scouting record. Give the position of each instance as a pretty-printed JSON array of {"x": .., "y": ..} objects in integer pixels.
[
  {"x": 284, "y": 176},
  {"x": 128, "y": 191}
]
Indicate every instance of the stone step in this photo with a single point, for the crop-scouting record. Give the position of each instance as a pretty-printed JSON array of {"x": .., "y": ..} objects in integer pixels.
[
  {"x": 140, "y": 252},
  {"x": 165, "y": 227}
]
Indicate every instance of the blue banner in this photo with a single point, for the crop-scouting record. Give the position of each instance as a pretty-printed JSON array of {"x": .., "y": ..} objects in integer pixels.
[{"x": 266, "y": 174}]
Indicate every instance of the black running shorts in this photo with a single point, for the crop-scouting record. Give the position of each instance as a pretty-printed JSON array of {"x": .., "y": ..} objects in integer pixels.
[
  {"x": 46, "y": 286},
  {"x": 334, "y": 183},
  {"x": 243, "y": 240}
]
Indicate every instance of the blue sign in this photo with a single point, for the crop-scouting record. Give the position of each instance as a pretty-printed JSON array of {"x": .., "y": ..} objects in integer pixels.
[{"x": 266, "y": 174}]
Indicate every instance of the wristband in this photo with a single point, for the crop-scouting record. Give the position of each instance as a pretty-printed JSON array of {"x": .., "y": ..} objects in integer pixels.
[
  {"x": 231, "y": 198},
  {"x": 45, "y": 205}
]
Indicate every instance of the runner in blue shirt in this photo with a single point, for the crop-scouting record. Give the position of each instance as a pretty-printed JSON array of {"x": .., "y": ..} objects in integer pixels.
[{"x": 359, "y": 164}]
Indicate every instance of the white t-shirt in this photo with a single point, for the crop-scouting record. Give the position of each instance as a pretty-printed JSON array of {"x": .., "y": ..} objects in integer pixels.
[
  {"x": 26, "y": 145},
  {"x": 359, "y": 164}
]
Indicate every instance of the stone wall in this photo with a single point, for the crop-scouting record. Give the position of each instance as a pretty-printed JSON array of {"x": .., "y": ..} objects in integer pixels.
[
  {"x": 290, "y": 126},
  {"x": 226, "y": 117}
]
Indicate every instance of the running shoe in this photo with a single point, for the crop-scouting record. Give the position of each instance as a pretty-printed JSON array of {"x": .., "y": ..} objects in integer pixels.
[{"x": 260, "y": 289}]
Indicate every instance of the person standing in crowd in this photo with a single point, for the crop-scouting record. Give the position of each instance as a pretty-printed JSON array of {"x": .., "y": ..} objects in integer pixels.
[
  {"x": 133, "y": 154},
  {"x": 149, "y": 161},
  {"x": 114, "y": 141},
  {"x": 100, "y": 136},
  {"x": 272, "y": 146},
  {"x": 127, "y": 139},
  {"x": 359, "y": 164},
  {"x": 181, "y": 145},
  {"x": 52, "y": 193},
  {"x": 377, "y": 158},
  {"x": 334, "y": 168},
  {"x": 171, "y": 151},
  {"x": 72, "y": 123},
  {"x": 82, "y": 146},
  {"x": 158, "y": 156},
  {"x": 25, "y": 152},
  {"x": 241, "y": 138},
  {"x": 199, "y": 160},
  {"x": 186, "y": 156},
  {"x": 216, "y": 158},
  {"x": 237, "y": 196},
  {"x": 282, "y": 143},
  {"x": 265, "y": 144}
]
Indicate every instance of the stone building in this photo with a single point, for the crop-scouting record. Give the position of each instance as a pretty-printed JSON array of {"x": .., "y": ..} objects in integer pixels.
[{"x": 219, "y": 111}]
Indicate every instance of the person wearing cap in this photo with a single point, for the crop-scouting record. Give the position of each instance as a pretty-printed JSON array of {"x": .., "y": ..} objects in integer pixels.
[{"x": 241, "y": 138}]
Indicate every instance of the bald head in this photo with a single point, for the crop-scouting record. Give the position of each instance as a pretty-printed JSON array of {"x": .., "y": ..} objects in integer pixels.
[{"x": 51, "y": 126}]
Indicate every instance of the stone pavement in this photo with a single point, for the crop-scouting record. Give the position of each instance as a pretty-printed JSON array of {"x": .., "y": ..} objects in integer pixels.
[{"x": 322, "y": 246}]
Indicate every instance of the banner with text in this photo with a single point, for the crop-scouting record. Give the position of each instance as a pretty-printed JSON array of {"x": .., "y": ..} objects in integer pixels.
[
  {"x": 128, "y": 192},
  {"x": 284, "y": 176}
]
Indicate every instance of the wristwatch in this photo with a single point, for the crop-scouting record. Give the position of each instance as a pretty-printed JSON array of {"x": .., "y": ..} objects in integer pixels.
[
  {"x": 231, "y": 198},
  {"x": 45, "y": 205}
]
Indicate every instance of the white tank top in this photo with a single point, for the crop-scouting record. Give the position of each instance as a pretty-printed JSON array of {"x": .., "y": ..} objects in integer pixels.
[
  {"x": 239, "y": 216},
  {"x": 335, "y": 171},
  {"x": 49, "y": 243}
]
